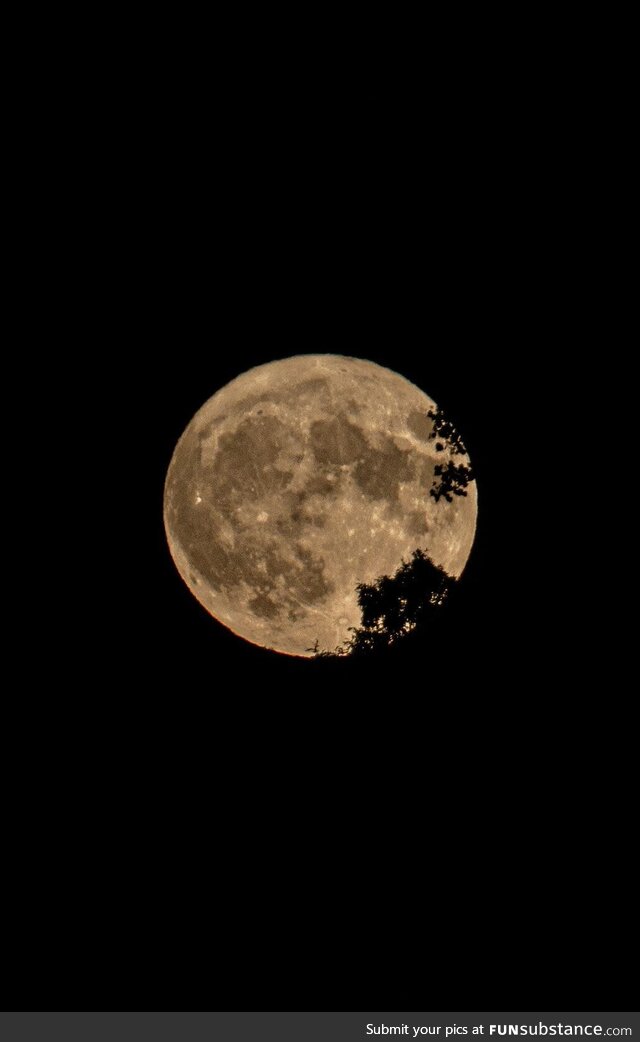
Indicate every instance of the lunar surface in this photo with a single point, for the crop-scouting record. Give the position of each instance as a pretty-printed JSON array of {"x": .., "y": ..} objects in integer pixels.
[{"x": 303, "y": 478}]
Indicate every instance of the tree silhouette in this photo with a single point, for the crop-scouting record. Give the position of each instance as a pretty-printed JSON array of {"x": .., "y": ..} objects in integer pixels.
[
  {"x": 394, "y": 606},
  {"x": 451, "y": 479},
  {"x": 444, "y": 431}
]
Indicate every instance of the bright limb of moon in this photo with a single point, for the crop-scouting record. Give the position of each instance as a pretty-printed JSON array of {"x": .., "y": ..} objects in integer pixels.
[{"x": 299, "y": 480}]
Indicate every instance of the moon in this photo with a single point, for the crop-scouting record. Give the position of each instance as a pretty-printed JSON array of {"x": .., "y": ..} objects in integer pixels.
[{"x": 301, "y": 479}]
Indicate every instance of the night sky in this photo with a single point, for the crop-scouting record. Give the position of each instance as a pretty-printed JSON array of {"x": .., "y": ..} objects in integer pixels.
[{"x": 223, "y": 827}]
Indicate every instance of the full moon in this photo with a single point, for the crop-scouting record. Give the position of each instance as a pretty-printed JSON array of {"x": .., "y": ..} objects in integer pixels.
[{"x": 301, "y": 479}]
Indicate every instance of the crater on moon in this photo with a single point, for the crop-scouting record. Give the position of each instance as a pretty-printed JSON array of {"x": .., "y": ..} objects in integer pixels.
[{"x": 300, "y": 480}]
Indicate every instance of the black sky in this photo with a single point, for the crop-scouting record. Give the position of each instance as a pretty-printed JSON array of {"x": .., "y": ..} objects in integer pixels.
[{"x": 225, "y": 827}]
